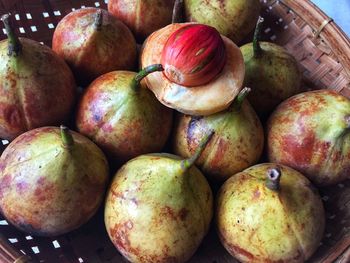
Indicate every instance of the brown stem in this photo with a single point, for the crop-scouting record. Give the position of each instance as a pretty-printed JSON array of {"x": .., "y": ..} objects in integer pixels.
[
  {"x": 98, "y": 20},
  {"x": 187, "y": 163},
  {"x": 273, "y": 179},
  {"x": 67, "y": 138},
  {"x": 14, "y": 45},
  {"x": 178, "y": 12}
]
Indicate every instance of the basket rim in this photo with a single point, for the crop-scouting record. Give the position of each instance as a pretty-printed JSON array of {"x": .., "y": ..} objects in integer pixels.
[{"x": 327, "y": 29}]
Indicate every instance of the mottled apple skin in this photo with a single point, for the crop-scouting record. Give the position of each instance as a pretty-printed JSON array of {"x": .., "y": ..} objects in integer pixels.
[
  {"x": 124, "y": 122},
  {"x": 91, "y": 52},
  {"x": 233, "y": 19},
  {"x": 142, "y": 17},
  {"x": 273, "y": 76},
  {"x": 236, "y": 144},
  {"x": 37, "y": 89},
  {"x": 153, "y": 213},
  {"x": 256, "y": 224},
  {"x": 310, "y": 133},
  {"x": 47, "y": 189}
]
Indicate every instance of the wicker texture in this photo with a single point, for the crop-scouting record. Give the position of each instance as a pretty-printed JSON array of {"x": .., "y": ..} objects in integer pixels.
[{"x": 323, "y": 51}]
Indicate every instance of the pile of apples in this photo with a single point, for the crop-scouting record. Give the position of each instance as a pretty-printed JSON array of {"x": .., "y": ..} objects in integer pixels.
[{"x": 198, "y": 95}]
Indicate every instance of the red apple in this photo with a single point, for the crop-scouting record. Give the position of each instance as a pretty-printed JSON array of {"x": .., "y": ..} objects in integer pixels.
[
  {"x": 237, "y": 142},
  {"x": 122, "y": 116},
  {"x": 310, "y": 132},
  {"x": 93, "y": 42},
  {"x": 270, "y": 213},
  {"x": 51, "y": 181},
  {"x": 36, "y": 86}
]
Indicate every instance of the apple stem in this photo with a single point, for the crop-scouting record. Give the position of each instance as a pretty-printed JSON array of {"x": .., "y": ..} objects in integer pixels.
[
  {"x": 256, "y": 45},
  {"x": 187, "y": 163},
  {"x": 67, "y": 138},
  {"x": 273, "y": 179},
  {"x": 241, "y": 97},
  {"x": 135, "y": 84},
  {"x": 98, "y": 20},
  {"x": 178, "y": 12},
  {"x": 14, "y": 45}
]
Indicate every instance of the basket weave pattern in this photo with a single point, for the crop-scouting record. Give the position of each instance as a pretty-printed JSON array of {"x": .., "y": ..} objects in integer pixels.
[{"x": 318, "y": 44}]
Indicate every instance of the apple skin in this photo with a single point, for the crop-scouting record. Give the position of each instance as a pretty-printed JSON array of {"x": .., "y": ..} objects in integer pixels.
[
  {"x": 37, "y": 88},
  {"x": 273, "y": 76},
  {"x": 233, "y": 19},
  {"x": 257, "y": 224},
  {"x": 155, "y": 212},
  {"x": 142, "y": 17},
  {"x": 236, "y": 144},
  {"x": 310, "y": 133},
  {"x": 48, "y": 188},
  {"x": 124, "y": 122},
  {"x": 92, "y": 51}
]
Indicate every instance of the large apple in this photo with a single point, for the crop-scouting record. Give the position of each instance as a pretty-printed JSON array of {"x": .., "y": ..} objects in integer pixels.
[
  {"x": 269, "y": 213},
  {"x": 310, "y": 132},
  {"x": 93, "y": 42},
  {"x": 52, "y": 181},
  {"x": 36, "y": 86}
]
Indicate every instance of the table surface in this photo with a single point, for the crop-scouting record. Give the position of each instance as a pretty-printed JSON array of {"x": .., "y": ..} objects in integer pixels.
[{"x": 338, "y": 10}]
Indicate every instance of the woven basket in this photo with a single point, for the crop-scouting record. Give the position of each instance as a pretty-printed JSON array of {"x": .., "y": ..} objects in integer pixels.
[{"x": 323, "y": 51}]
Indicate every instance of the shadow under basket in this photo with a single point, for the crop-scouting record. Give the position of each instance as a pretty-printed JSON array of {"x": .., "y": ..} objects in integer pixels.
[{"x": 323, "y": 52}]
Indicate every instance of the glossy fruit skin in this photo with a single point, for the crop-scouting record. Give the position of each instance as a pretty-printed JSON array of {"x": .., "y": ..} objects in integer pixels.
[
  {"x": 236, "y": 144},
  {"x": 91, "y": 52},
  {"x": 256, "y": 224},
  {"x": 153, "y": 213},
  {"x": 37, "y": 88},
  {"x": 193, "y": 55},
  {"x": 206, "y": 99},
  {"x": 142, "y": 17},
  {"x": 124, "y": 122},
  {"x": 233, "y": 19},
  {"x": 309, "y": 133},
  {"x": 273, "y": 76},
  {"x": 47, "y": 189}
]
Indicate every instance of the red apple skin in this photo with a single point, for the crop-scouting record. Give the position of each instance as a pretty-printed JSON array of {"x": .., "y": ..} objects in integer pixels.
[
  {"x": 142, "y": 17},
  {"x": 125, "y": 123},
  {"x": 47, "y": 189},
  {"x": 310, "y": 133},
  {"x": 37, "y": 88},
  {"x": 91, "y": 52}
]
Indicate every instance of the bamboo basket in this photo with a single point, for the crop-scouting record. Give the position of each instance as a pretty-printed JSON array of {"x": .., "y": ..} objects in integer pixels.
[{"x": 323, "y": 51}]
